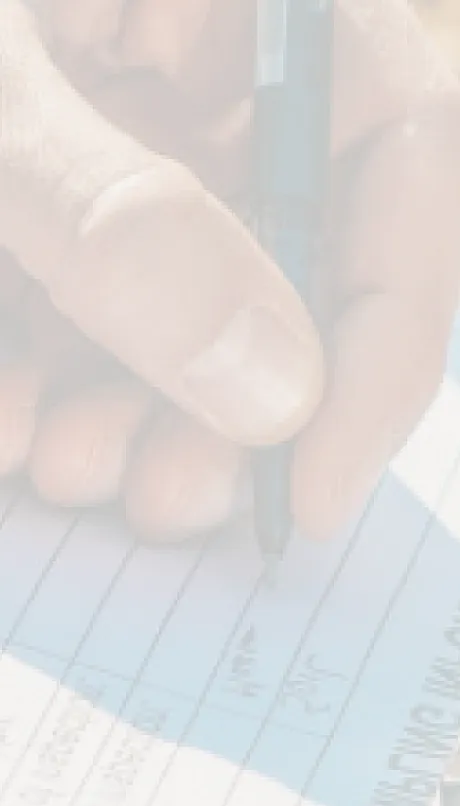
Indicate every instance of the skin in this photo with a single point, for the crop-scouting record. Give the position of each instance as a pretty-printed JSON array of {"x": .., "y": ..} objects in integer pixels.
[
  {"x": 442, "y": 20},
  {"x": 144, "y": 312}
]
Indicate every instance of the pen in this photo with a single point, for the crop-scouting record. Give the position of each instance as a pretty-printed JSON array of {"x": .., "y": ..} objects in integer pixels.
[{"x": 291, "y": 121}]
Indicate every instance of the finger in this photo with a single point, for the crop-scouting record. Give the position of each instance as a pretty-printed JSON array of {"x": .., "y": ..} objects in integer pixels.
[
  {"x": 186, "y": 300},
  {"x": 162, "y": 32},
  {"x": 135, "y": 32},
  {"x": 53, "y": 157},
  {"x": 442, "y": 21},
  {"x": 22, "y": 378},
  {"x": 13, "y": 283},
  {"x": 183, "y": 482},
  {"x": 176, "y": 125},
  {"x": 134, "y": 251},
  {"x": 21, "y": 384},
  {"x": 79, "y": 453},
  {"x": 387, "y": 370},
  {"x": 399, "y": 273},
  {"x": 88, "y": 24}
]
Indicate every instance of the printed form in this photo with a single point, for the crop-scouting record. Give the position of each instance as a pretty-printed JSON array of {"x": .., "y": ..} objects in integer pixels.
[{"x": 139, "y": 677}]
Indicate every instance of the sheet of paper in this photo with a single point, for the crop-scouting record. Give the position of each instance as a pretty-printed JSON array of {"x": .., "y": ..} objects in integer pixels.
[{"x": 170, "y": 677}]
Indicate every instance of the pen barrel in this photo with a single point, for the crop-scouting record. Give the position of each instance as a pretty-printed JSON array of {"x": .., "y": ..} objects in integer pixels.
[
  {"x": 292, "y": 108},
  {"x": 291, "y": 156},
  {"x": 292, "y": 232},
  {"x": 271, "y": 467}
]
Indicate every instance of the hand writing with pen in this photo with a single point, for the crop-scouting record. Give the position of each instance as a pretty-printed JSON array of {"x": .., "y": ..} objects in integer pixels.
[{"x": 124, "y": 146}]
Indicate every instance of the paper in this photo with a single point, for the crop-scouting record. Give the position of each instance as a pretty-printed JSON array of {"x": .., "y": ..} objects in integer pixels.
[{"x": 171, "y": 678}]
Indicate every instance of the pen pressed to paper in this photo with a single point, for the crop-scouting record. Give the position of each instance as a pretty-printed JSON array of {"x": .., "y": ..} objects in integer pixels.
[{"x": 291, "y": 158}]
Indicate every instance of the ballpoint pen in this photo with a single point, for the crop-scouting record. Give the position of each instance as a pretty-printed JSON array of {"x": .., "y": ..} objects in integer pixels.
[{"x": 291, "y": 156}]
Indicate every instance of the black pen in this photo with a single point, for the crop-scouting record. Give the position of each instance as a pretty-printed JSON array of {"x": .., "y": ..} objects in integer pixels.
[{"x": 292, "y": 102}]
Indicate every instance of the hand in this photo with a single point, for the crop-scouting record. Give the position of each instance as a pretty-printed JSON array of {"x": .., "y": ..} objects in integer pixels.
[
  {"x": 442, "y": 19},
  {"x": 149, "y": 265}
]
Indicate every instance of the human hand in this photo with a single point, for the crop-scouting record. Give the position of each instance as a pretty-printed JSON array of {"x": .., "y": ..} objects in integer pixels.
[
  {"x": 385, "y": 331},
  {"x": 442, "y": 21}
]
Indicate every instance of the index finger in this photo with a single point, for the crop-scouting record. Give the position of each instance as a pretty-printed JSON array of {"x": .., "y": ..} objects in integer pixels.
[{"x": 400, "y": 276}]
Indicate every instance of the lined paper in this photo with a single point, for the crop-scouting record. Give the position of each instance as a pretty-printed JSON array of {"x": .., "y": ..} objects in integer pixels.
[{"x": 161, "y": 677}]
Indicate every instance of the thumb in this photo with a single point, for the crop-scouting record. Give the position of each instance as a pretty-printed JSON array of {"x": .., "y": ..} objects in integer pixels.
[
  {"x": 143, "y": 260},
  {"x": 56, "y": 153}
]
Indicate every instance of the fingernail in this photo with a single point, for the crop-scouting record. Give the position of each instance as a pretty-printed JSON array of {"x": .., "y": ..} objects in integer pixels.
[{"x": 258, "y": 380}]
